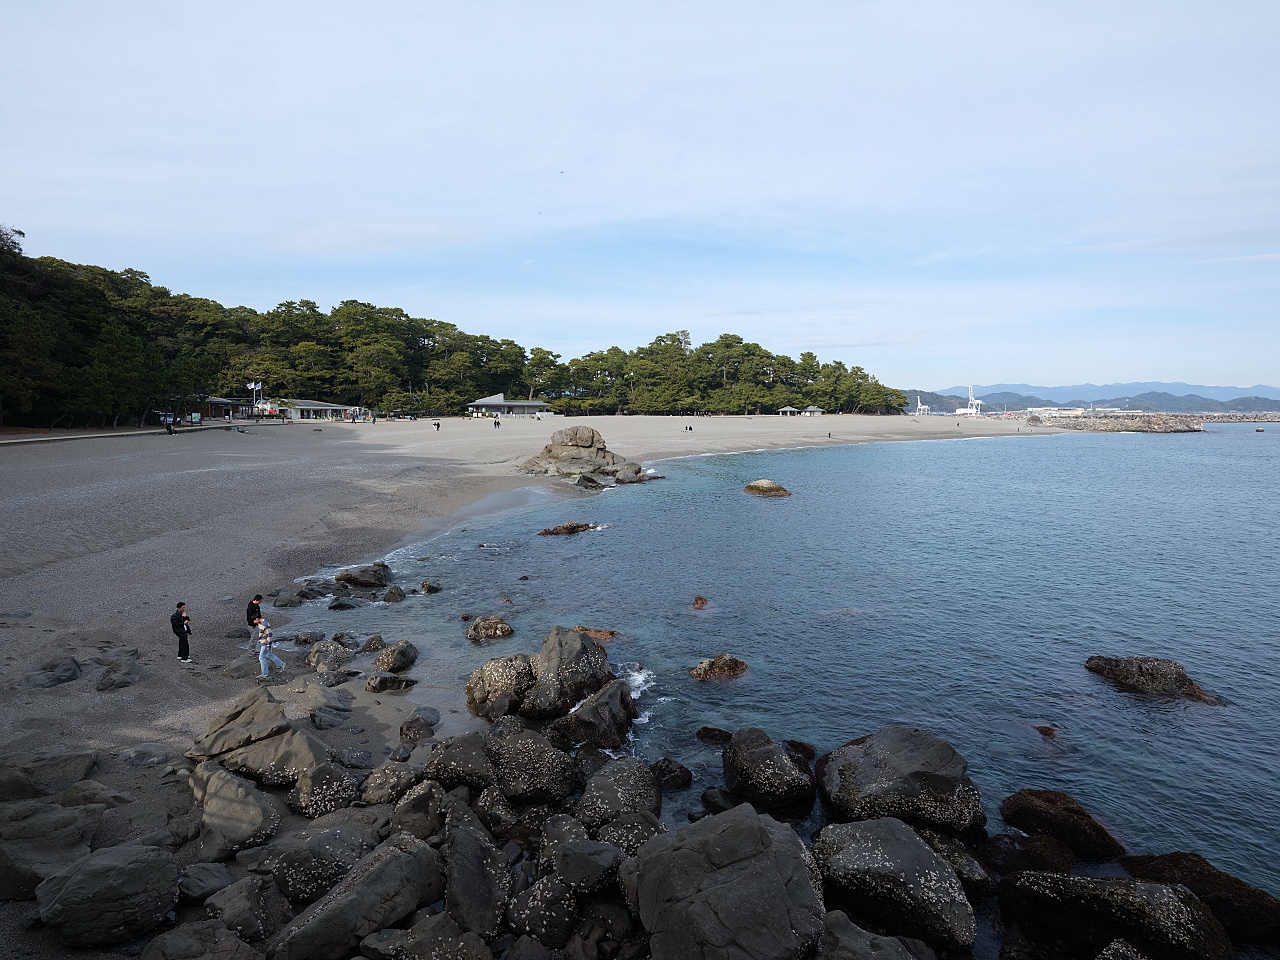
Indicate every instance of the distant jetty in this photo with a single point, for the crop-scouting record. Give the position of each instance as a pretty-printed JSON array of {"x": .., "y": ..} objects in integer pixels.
[{"x": 1142, "y": 423}]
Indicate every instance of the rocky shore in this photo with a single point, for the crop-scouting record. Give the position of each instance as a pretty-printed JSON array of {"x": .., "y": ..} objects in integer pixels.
[
  {"x": 1144, "y": 423},
  {"x": 328, "y": 818}
]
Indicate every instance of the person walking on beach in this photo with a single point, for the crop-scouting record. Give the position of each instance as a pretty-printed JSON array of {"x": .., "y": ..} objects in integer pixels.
[
  {"x": 251, "y": 614},
  {"x": 264, "y": 648},
  {"x": 180, "y": 623}
]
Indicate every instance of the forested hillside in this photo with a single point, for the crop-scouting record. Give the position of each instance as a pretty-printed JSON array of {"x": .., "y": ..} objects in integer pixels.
[{"x": 85, "y": 345}]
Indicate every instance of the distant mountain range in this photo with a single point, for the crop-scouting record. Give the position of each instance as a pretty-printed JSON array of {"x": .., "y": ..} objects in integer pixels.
[
  {"x": 1151, "y": 400},
  {"x": 1082, "y": 394}
]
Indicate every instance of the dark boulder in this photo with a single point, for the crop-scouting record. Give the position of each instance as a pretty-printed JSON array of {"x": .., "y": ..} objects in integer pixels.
[
  {"x": 1151, "y": 675},
  {"x": 842, "y": 939},
  {"x": 569, "y": 667},
  {"x": 767, "y": 774},
  {"x": 566, "y": 529},
  {"x": 198, "y": 881},
  {"x": 737, "y": 886},
  {"x": 671, "y": 774},
  {"x": 322, "y": 789},
  {"x": 766, "y": 488},
  {"x": 383, "y": 889},
  {"x": 527, "y": 768},
  {"x": 587, "y": 866},
  {"x": 420, "y": 811},
  {"x": 630, "y": 831},
  {"x": 389, "y": 782},
  {"x": 49, "y": 771},
  {"x": 251, "y": 908},
  {"x": 602, "y": 720},
  {"x": 460, "y": 761},
  {"x": 39, "y": 839},
  {"x": 1007, "y": 853},
  {"x": 1055, "y": 814},
  {"x": 547, "y": 911},
  {"x": 1081, "y": 916},
  {"x": 383, "y": 682},
  {"x": 435, "y": 937},
  {"x": 51, "y": 673},
  {"x": 900, "y": 772},
  {"x": 477, "y": 881},
  {"x": 200, "y": 940},
  {"x": 420, "y": 726},
  {"x": 308, "y": 863},
  {"x": 497, "y": 688},
  {"x": 624, "y": 785},
  {"x": 122, "y": 670},
  {"x": 373, "y": 575},
  {"x": 235, "y": 815},
  {"x": 110, "y": 896},
  {"x": 979, "y": 885},
  {"x": 881, "y": 871},
  {"x": 398, "y": 657},
  {"x": 393, "y": 595},
  {"x": 714, "y": 736},
  {"x": 1248, "y": 914}
]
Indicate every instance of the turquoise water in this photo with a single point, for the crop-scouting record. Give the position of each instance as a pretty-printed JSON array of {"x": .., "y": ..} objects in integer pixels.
[{"x": 957, "y": 585}]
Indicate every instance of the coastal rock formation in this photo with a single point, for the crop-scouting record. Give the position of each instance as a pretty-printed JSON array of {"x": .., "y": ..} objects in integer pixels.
[
  {"x": 622, "y": 786},
  {"x": 902, "y": 772},
  {"x": 602, "y": 720},
  {"x": 671, "y": 774},
  {"x": 1085, "y": 915},
  {"x": 766, "y": 488},
  {"x": 700, "y": 603},
  {"x": 569, "y": 667},
  {"x": 598, "y": 634},
  {"x": 381, "y": 682},
  {"x": 1151, "y": 675},
  {"x": 738, "y": 884},
  {"x": 721, "y": 667},
  {"x": 580, "y": 451},
  {"x": 38, "y": 839},
  {"x": 374, "y": 575},
  {"x": 384, "y": 888},
  {"x": 309, "y": 863},
  {"x": 255, "y": 738},
  {"x": 1007, "y": 853},
  {"x": 1249, "y": 915},
  {"x": 766, "y": 774},
  {"x": 200, "y": 940},
  {"x": 477, "y": 883},
  {"x": 122, "y": 670},
  {"x": 496, "y": 688},
  {"x": 235, "y": 814},
  {"x": 1055, "y": 814},
  {"x": 110, "y": 896},
  {"x": 527, "y": 768},
  {"x": 488, "y": 628},
  {"x": 881, "y": 871},
  {"x": 842, "y": 939}
]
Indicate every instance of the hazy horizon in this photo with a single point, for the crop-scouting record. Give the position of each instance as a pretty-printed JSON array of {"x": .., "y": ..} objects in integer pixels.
[{"x": 941, "y": 194}]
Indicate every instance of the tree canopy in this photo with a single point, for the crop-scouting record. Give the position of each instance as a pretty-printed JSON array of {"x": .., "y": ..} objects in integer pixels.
[{"x": 82, "y": 344}]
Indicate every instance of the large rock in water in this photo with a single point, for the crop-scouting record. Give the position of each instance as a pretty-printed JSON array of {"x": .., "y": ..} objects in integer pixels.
[
  {"x": 1151, "y": 675},
  {"x": 1081, "y": 916},
  {"x": 602, "y": 720},
  {"x": 569, "y": 667},
  {"x": 1248, "y": 914},
  {"x": 883, "y": 872},
  {"x": 110, "y": 896},
  {"x": 901, "y": 772},
  {"x": 383, "y": 889},
  {"x": 766, "y": 774},
  {"x": 736, "y": 886},
  {"x": 580, "y": 451},
  {"x": 374, "y": 575},
  {"x": 1055, "y": 814}
]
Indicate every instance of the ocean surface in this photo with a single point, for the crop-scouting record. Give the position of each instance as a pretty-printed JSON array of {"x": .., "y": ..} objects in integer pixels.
[{"x": 954, "y": 585}]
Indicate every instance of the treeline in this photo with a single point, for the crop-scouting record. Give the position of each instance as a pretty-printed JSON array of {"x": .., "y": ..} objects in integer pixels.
[{"x": 89, "y": 346}]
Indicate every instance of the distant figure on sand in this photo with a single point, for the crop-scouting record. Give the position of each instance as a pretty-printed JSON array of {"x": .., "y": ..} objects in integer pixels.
[
  {"x": 251, "y": 614},
  {"x": 437, "y": 426},
  {"x": 497, "y": 424},
  {"x": 180, "y": 623},
  {"x": 264, "y": 648}
]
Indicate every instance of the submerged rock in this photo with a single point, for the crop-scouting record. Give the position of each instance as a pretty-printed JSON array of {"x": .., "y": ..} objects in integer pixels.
[
  {"x": 566, "y": 530},
  {"x": 1151, "y": 675},
  {"x": 488, "y": 628},
  {"x": 1055, "y": 814}
]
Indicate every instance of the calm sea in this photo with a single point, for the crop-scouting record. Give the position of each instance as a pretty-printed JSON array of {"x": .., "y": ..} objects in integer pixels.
[{"x": 954, "y": 585}]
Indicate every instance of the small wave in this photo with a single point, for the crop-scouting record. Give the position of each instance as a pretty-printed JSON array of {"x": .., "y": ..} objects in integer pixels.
[
  {"x": 643, "y": 718},
  {"x": 638, "y": 678}
]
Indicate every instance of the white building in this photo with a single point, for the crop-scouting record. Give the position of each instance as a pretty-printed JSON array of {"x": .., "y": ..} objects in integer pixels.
[
  {"x": 499, "y": 406},
  {"x": 812, "y": 411},
  {"x": 787, "y": 411}
]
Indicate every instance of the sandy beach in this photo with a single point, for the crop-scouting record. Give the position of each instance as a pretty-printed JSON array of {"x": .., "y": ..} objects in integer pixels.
[{"x": 103, "y": 536}]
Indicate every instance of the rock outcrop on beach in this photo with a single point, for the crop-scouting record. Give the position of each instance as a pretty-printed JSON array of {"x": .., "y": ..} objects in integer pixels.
[
  {"x": 1151, "y": 675},
  {"x": 580, "y": 452}
]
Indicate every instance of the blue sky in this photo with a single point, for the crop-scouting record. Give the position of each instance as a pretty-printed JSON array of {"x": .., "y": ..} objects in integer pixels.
[{"x": 943, "y": 193}]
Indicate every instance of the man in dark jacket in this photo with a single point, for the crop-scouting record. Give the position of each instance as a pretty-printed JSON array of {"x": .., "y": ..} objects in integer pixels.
[
  {"x": 180, "y": 623},
  {"x": 251, "y": 613}
]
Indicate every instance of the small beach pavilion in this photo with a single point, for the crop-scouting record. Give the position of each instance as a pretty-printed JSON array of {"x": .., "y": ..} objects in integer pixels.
[
  {"x": 499, "y": 406},
  {"x": 788, "y": 411},
  {"x": 812, "y": 411}
]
